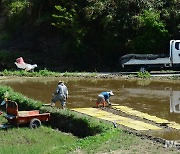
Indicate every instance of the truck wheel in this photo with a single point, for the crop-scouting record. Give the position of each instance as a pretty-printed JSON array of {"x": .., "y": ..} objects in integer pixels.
[
  {"x": 142, "y": 69},
  {"x": 35, "y": 123}
]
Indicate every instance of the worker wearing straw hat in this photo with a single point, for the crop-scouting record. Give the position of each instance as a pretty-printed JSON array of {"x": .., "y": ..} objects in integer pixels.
[{"x": 60, "y": 94}]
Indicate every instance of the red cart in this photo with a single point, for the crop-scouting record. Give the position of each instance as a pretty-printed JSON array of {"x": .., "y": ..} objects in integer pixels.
[{"x": 33, "y": 117}]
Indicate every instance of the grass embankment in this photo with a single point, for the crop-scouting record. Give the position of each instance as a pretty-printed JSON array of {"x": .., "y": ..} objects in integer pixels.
[
  {"x": 47, "y": 140},
  {"x": 46, "y": 73},
  {"x": 85, "y": 134}
]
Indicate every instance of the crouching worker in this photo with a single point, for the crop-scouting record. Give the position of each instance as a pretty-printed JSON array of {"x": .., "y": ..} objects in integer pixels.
[
  {"x": 104, "y": 98},
  {"x": 61, "y": 94}
]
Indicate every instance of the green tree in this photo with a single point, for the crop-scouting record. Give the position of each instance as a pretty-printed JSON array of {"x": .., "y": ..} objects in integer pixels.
[
  {"x": 68, "y": 18},
  {"x": 151, "y": 32}
]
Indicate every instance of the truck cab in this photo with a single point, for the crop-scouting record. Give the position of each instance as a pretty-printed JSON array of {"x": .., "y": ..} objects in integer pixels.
[{"x": 175, "y": 52}]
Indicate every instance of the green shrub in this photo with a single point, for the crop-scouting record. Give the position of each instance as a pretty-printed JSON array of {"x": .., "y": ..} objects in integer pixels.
[
  {"x": 144, "y": 74},
  {"x": 45, "y": 72}
]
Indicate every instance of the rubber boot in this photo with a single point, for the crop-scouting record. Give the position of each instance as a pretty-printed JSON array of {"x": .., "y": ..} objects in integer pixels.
[
  {"x": 64, "y": 106},
  {"x": 97, "y": 104},
  {"x": 52, "y": 104},
  {"x": 104, "y": 104}
]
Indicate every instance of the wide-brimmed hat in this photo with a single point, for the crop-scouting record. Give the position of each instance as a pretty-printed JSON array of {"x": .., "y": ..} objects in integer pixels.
[
  {"x": 111, "y": 93},
  {"x": 60, "y": 81}
]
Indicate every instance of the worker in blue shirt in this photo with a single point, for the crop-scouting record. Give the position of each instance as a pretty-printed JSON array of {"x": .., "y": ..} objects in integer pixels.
[{"x": 104, "y": 98}]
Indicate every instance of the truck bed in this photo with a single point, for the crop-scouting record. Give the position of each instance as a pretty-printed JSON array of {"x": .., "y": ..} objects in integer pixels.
[
  {"x": 140, "y": 59},
  {"x": 145, "y": 62}
]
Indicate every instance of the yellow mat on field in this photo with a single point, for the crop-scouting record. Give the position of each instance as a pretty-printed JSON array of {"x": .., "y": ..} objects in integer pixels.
[
  {"x": 104, "y": 115},
  {"x": 155, "y": 119},
  {"x": 174, "y": 125},
  {"x": 133, "y": 112}
]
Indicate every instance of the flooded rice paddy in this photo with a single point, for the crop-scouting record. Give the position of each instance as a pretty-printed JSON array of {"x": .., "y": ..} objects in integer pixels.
[{"x": 158, "y": 98}]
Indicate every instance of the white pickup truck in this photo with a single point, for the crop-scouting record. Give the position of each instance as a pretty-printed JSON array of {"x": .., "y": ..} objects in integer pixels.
[{"x": 149, "y": 62}]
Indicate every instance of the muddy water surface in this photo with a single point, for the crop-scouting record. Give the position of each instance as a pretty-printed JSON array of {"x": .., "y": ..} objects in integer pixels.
[{"x": 161, "y": 99}]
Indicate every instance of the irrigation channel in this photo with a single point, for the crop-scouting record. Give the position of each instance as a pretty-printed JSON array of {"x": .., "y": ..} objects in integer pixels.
[{"x": 155, "y": 98}]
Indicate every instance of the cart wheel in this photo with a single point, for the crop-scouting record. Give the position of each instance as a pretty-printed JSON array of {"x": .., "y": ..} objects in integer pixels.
[{"x": 35, "y": 123}]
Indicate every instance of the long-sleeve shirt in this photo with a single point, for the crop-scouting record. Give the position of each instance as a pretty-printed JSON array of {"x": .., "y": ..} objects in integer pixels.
[{"x": 62, "y": 90}]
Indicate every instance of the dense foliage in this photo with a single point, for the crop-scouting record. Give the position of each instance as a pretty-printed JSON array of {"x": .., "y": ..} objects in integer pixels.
[{"x": 87, "y": 34}]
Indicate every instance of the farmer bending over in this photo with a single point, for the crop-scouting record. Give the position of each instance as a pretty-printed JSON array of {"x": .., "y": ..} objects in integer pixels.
[
  {"x": 61, "y": 94},
  {"x": 104, "y": 98}
]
